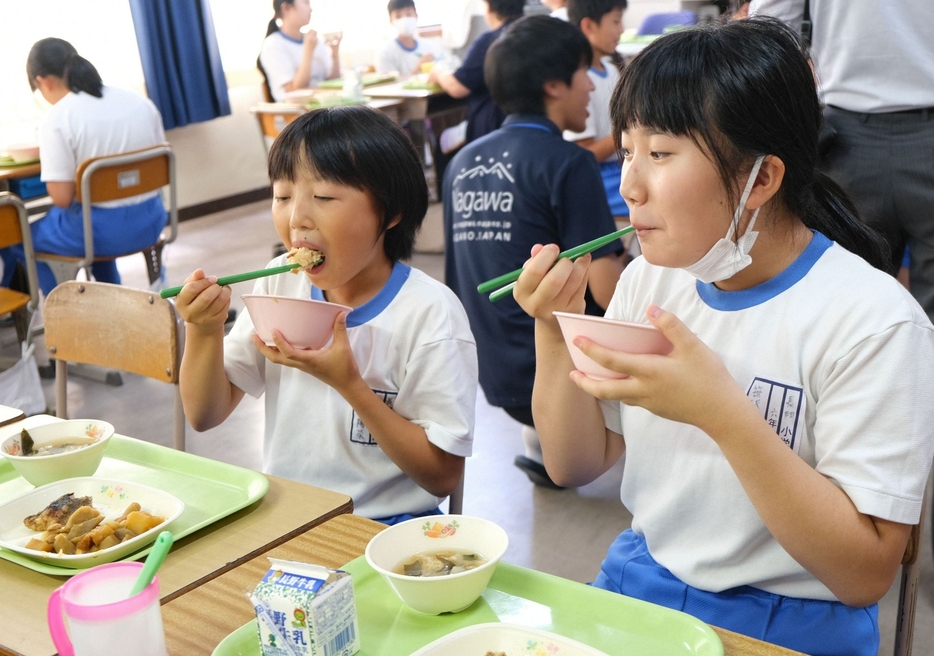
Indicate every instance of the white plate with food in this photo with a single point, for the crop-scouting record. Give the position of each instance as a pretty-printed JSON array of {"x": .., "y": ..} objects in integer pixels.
[
  {"x": 87, "y": 521},
  {"x": 498, "y": 639}
]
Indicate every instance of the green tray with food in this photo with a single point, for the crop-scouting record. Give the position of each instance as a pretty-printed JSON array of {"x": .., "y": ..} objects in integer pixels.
[
  {"x": 368, "y": 80},
  {"x": 516, "y": 596},
  {"x": 208, "y": 490}
]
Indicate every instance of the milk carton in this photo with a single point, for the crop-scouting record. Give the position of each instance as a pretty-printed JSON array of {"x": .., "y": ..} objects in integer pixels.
[{"x": 306, "y": 610}]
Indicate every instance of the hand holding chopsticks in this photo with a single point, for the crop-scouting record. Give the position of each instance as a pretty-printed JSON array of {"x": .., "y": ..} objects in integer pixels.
[
  {"x": 509, "y": 279},
  {"x": 172, "y": 292}
]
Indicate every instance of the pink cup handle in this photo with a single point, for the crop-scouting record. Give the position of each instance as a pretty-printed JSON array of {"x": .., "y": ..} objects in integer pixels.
[{"x": 57, "y": 625}]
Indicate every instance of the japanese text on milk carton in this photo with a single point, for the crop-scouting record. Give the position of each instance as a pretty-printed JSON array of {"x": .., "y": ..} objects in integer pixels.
[{"x": 311, "y": 609}]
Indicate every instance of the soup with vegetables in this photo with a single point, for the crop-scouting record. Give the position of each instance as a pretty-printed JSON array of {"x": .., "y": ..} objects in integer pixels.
[
  {"x": 60, "y": 446},
  {"x": 440, "y": 563}
]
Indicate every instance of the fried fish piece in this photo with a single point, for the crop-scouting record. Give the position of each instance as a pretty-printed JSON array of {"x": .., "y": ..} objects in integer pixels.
[
  {"x": 306, "y": 257},
  {"x": 56, "y": 512}
]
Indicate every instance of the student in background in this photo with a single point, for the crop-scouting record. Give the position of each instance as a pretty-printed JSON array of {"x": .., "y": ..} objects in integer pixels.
[
  {"x": 291, "y": 60},
  {"x": 519, "y": 186},
  {"x": 87, "y": 119},
  {"x": 601, "y": 21},
  {"x": 406, "y": 53},
  {"x": 777, "y": 457},
  {"x": 385, "y": 412},
  {"x": 483, "y": 116}
]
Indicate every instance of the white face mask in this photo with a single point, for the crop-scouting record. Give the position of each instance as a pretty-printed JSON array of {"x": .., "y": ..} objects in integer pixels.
[
  {"x": 727, "y": 258},
  {"x": 406, "y": 26}
]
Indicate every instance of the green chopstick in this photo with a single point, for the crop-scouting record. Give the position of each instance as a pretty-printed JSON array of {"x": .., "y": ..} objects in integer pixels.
[
  {"x": 509, "y": 279},
  {"x": 153, "y": 562},
  {"x": 172, "y": 292}
]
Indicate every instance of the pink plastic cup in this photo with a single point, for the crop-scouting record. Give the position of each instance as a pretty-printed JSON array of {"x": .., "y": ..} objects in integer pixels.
[{"x": 101, "y": 616}]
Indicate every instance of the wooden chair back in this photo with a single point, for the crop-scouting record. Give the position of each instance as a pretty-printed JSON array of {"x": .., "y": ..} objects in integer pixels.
[
  {"x": 273, "y": 117},
  {"x": 114, "y": 327},
  {"x": 115, "y": 177},
  {"x": 11, "y": 230},
  {"x": 14, "y": 229}
]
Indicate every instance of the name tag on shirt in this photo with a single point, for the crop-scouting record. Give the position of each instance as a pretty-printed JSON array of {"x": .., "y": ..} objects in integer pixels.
[
  {"x": 782, "y": 406},
  {"x": 358, "y": 432}
]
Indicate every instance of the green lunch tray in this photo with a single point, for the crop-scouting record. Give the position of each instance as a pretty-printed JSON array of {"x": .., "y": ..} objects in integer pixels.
[
  {"x": 613, "y": 623},
  {"x": 210, "y": 489},
  {"x": 368, "y": 80}
]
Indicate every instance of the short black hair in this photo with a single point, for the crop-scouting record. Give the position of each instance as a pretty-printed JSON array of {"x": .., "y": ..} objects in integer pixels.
[
  {"x": 359, "y": 147},
  {"x": 595, "y": 10},
  {"x": 507, "y": 9},
  {"x": 532, "y": 51},
  {"x": 396, "y": 5}
]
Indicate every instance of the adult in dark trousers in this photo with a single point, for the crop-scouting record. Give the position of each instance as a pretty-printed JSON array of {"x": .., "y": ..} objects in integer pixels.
[
  {"x": 875, "y": 66},
  {"x": 519, "y": 186}
]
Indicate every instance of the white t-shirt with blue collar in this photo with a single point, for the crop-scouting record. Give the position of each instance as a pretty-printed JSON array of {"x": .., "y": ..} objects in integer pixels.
[
  {"x": 598, "y": 123},
  {"x": 397, "y": 58},
  {"x": 281, "y": 56},
  {"x": 413, "y": 347},
  {"x": 837, "y": 356}
]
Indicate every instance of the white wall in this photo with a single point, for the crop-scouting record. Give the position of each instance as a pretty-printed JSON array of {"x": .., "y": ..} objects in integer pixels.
[{"x": 222, "y": 157}]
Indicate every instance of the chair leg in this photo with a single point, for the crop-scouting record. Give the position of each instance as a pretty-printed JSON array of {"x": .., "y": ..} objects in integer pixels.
[
  {"x": 456, "y": 500},
  {"x": 907, "y": 603},
  {"x": 179, "y": 420},
  {"x": 61, "y": 389}
]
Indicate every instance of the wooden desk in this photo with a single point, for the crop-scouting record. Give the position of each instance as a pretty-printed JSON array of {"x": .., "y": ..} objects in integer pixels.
[
  {"x": 14, "y": 172},
  {"x": 418, "y": 104},
  {"x": 10, "y": 172},
  {"x": 288, "y": 510},
  {"x": 220, "y": 607}
]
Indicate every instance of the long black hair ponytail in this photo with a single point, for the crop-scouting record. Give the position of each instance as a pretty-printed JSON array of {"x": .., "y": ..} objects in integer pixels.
[
  {"x": 739, "y": 90},
  {"x": 273, "y": 26},
  {"x": 59, "y": 58}
]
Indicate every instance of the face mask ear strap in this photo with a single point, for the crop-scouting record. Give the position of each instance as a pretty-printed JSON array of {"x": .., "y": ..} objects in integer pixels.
[{"x": 744, "y": 198}]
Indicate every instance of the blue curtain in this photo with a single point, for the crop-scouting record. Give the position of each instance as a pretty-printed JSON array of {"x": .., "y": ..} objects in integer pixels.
[{"x": 181, "y": 60}]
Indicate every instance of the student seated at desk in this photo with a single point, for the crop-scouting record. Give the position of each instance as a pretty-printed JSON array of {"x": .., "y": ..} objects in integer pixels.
[
  {"x": 776, "y": 458},
  {"x": 87, "y": 119},
  {"x": 483, "y": 116},
  {"x": 601, "y": 21},
  {"x": 519, "y": 186},
  {"x": 405, "y": 54},
  {"x": 291, "y": 60},
  {"x": 385, "y": 413}
]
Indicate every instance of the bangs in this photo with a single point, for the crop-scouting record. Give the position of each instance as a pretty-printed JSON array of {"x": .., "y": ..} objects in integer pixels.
[
  {"x": 361, "y": 148},
  {"x": 319, "y": 143},
  {"x": 664, "y": 87}
]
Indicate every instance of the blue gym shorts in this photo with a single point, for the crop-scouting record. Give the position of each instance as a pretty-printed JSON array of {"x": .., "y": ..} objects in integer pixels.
[
  {"x": 819, "y": 628},
  {"x": 396, "y": 519},
  {"x": 117, "y": 230}
]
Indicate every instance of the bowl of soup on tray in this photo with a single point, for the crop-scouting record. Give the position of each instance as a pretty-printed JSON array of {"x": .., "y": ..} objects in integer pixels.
[
  {"x": 613, "y": 334},
  {"x": 63, "y": 449},
  {"x": 438, "y": 564},
  {"x": 304, "y": 323}
]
